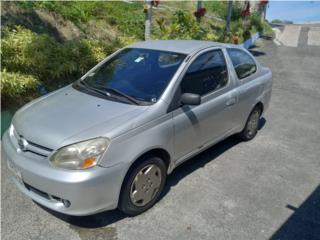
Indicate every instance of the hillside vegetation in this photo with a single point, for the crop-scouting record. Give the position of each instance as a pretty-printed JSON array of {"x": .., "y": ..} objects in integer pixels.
[{"x": 48, "y": 44}]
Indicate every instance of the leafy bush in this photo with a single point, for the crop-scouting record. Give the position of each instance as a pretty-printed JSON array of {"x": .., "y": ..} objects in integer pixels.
[
  {"x": 17, "y": 87},
  {"x": 237, "y": 28},
  {"x": 30, "y": 59},
  {"x": 52, "y": 62},
  {"x": 219, "y": 8},
  {"x": 267, "y": 29},
  {"x": 244, "y": 28},
  {"x": 236, "y": 11},
  {"x": 183, "y": 26},
  {"x": 256, "y": 23}
]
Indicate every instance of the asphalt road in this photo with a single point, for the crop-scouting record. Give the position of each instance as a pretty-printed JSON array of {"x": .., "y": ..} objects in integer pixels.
[{"x": 267, "y": 188}]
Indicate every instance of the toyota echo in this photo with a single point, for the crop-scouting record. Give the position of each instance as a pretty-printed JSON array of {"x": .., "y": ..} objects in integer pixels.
[{"x": 110, "y": 139}]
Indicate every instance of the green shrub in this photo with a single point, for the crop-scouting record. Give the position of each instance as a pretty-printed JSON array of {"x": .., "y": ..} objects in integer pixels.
[
  {"x": 218, "y": 8},
  {"x": 30, "y": 53},
  {"x": 17, "y": 87},
  {"x": 183, "y": 26},
  {"x": 267, "y": 29},
  {"x": 244, "y": 28},
  {"x": 238, "y": 29},
  {"x": 29, "y": 58},
  {"x": 52, "y": 62},
  {"x": 225, "y": 37},
  {"x": 256, "y": 23}
]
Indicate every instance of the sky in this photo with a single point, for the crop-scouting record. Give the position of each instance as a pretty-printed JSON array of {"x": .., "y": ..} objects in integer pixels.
[{"x": 296, "y": 11}]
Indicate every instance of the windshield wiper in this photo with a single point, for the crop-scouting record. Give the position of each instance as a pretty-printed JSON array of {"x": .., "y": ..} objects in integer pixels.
[
  {"x": 97, "y": 90},
  {"x": 106, "y": 92},
  {"x": 119, "y": 93}
]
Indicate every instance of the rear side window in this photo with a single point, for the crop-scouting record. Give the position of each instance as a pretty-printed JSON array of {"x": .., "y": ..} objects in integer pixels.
[
  {"x": 243, "y": 63},
  {"x": 206, "y": 74}
]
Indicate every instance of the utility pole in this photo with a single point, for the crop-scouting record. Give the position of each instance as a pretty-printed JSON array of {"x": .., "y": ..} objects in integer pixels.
[
  {"x": 229, "y": 9},
  {"x": 199, "y": 6},
  {"x": 264, "y": 13},
  {"x": 148, "y": 19}
]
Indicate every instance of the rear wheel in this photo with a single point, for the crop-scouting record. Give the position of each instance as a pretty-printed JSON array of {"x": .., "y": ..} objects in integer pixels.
[
  {"x": 143, "y": 186},
  {"x": 251, "y": 128}
]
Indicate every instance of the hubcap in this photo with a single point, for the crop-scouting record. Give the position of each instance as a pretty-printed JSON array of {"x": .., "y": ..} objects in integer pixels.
[
  {"x": 145, "y": 185},
  {"x": 253, "y": 122}
]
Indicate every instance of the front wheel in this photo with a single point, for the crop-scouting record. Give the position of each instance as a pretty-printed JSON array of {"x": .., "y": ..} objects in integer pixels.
[
  {"x": 251, "y": 128},
  {"x": 143, "y": 186}
]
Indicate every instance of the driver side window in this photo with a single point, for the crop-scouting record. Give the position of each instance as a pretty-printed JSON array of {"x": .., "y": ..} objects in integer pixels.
[{"x": 206, "y": 74}]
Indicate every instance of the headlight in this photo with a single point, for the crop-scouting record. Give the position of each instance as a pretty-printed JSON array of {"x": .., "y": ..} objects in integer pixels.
[{"x": 80, "y": 155}]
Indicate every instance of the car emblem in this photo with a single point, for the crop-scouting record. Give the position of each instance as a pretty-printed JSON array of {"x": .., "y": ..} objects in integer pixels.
[{"x": 22, "y": 144}]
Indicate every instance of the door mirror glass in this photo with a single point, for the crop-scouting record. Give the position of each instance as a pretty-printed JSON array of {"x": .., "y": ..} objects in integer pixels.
[{"x": 190, "y": 99}]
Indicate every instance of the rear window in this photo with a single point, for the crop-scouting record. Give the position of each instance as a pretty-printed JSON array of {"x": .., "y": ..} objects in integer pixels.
[{"x": 243, "y": 63}]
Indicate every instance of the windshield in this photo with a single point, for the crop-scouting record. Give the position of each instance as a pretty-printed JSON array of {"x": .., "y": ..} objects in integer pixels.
[{"x": 141, "y": 74}]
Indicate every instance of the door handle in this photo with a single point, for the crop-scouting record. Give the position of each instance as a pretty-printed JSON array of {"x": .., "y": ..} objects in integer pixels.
[{"x": 231, "y": 101}]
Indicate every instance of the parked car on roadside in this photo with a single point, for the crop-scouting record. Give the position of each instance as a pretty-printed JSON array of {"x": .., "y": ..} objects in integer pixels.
[{"x": 111, "y": 138}]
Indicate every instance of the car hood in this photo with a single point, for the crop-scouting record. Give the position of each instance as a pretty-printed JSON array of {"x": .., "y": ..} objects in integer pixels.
[{"x": 68, "y": 115}]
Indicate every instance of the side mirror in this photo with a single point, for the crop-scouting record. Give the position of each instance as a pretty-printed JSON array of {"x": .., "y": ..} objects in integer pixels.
[{"x": 190, "y": 99}]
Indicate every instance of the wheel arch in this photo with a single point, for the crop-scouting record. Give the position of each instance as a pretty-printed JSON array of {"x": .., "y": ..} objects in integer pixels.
[
  {"x": 159, "y": 152},
  {"x": 259, "y": 105}
]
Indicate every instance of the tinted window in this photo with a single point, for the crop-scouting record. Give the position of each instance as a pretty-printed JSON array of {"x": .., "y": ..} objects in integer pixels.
[
  {"x": 206, "y": 74},
  {"x": 139, "y": 73},
  {"x": 243, "y": 63}
]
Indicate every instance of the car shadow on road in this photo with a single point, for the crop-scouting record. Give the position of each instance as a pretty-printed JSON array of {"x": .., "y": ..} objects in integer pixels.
[
  {"x": 93, "y": 221},
  {"x": 199, "y": 161}
]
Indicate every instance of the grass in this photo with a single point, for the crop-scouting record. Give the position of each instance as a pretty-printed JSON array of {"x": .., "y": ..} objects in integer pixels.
[{"x": 127, "y": 18}]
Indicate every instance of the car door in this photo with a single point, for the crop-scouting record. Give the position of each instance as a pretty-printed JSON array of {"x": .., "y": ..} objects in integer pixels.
[{"x": 196, "y": 126}]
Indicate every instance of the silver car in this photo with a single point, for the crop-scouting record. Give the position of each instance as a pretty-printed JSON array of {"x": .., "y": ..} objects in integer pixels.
[{"x": 110, "y": 139}]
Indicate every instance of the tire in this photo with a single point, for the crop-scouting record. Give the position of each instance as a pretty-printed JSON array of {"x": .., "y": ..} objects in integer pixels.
[
  {"x": 251, "y": 128},
  {"x": 143, "y": 185}
]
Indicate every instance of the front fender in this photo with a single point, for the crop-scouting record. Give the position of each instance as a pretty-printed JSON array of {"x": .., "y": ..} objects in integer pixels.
[{"x": 130, "y": 146}]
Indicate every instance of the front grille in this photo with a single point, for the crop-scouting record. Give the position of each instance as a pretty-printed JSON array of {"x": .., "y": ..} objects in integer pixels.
[
  {"x": 39, "y": 146},
  {"x": 27, "y": 146}
]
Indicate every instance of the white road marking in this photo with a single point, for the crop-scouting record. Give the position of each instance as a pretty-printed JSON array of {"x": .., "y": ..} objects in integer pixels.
[
  {"x": 290, "y": 35},
  {"x": 314, "y": 36}
]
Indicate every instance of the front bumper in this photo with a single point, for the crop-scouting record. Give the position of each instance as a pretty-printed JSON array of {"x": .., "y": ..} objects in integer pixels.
[{"x": 88, "y": 191}]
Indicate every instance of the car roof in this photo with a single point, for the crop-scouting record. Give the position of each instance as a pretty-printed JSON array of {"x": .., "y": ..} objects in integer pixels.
[{"x": 178, "y": 46}]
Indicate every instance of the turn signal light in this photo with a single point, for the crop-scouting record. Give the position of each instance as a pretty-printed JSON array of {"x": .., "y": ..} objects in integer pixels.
[{"x": 88, "y": 162}]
